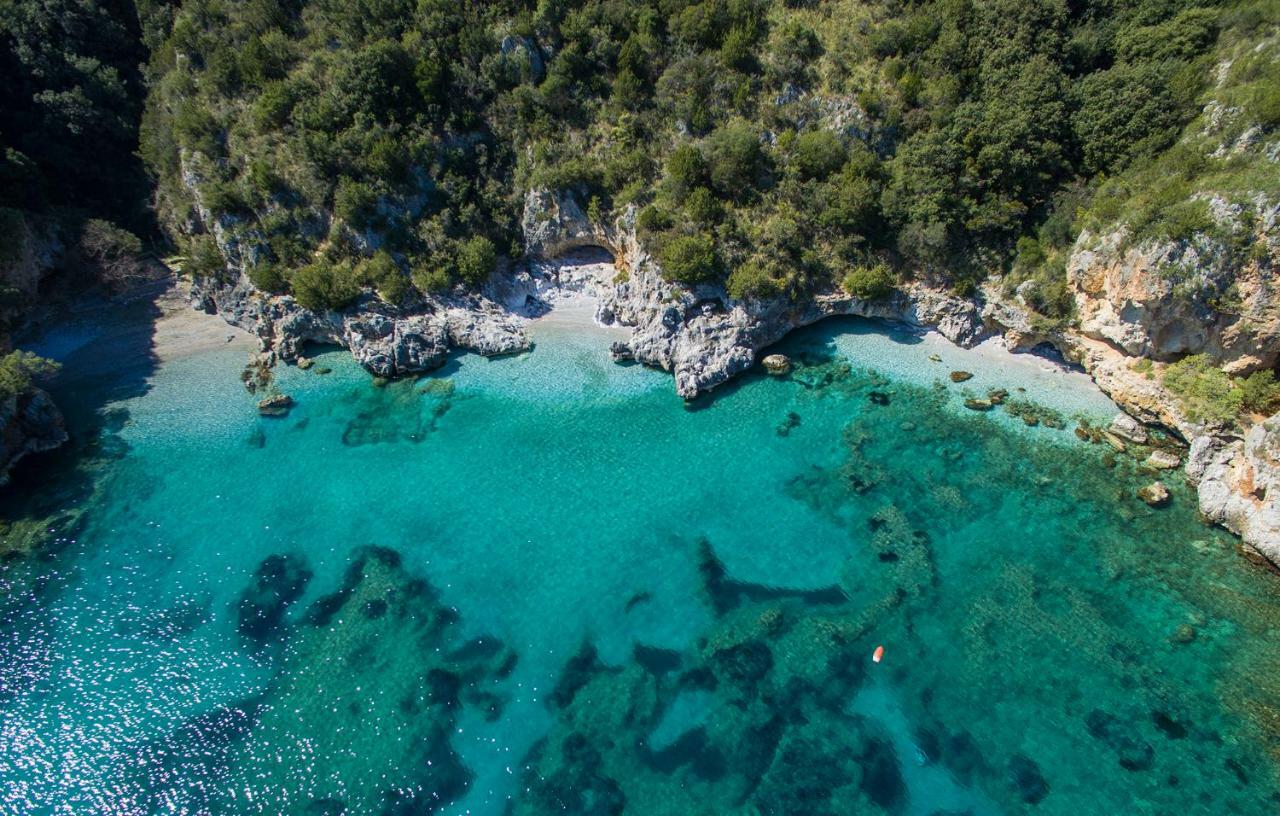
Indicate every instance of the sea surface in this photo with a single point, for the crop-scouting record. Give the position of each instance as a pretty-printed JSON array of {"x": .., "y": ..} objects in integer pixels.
[{"x": 544, "y": 585}]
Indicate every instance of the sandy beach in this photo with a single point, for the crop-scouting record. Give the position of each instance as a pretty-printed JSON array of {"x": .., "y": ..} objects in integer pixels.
[{"x": 181, "y": 331}]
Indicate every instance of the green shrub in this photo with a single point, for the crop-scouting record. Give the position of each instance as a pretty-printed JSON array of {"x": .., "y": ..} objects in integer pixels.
[
  {"x": 1125, "y": 112},
  {"x": 686, "y": 170},
  {"x": 689, "y": 259},
  {"x": 702, "y": 207},
  {"x": 203, "y": 259},
  {"x": 384, "y": 274},
  {"x": 1260, "y": 393},
  {"x": 268, "y": 277},
  {"x": 1180, "y": 38},
  {"x": 1204, "y": 390},
  {"x": 115, "y": 252},
  {"x": 817, "y": 154},
  {"x": 653, "y": 219},
  {"x": 1264, "y": 104},
  {"x": 354, "y": 202},
  {"x": 735, "y": 161},
  {"x": 323, "y": 285},
  {"x": 18, "y": 369},
  {"x": 476, "y": 259},
  {"x": 870, "y": 282},
  {"x": 432, "y": 278},
  {"x": 752, "y": 280}
]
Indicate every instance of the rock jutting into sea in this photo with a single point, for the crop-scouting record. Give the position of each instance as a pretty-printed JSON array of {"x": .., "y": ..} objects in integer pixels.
[{"x": 29, "y": 423}]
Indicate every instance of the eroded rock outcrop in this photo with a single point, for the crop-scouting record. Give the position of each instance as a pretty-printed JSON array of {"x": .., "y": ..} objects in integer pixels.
[
  {"x": 1239, "y": 484},
  {"x": 1165, "y": 299},
  {"x": 29, "y": 423},
  {"x": 700, "y": 334}
]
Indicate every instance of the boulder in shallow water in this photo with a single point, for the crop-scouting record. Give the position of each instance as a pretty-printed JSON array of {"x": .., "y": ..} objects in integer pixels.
[
  {"x": 305, "y": 363},
  {"x": 1163, "y": 460},
  {"x": 961, "y": 376},
  {"x": 276, "y": 405},
  {"x": 974, "y": 404},
  {"x": 1128, "y": 428},
  {"x": 1117, "y": 444},
  {"x": 1154, "y": 494},
  {"x": 777, "y": 364}
]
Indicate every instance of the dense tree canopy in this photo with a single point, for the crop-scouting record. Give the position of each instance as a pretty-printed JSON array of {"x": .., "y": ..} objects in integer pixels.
[{"x": 775, "y": 145}]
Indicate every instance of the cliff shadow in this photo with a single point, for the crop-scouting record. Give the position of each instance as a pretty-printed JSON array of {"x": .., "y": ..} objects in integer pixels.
[{"x": 106, "y": 346}]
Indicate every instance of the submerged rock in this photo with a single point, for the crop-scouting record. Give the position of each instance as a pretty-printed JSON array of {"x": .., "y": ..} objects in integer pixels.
[
  {"x": 278, "y": 582},
  {"x": 785, "y": 427},
  {"x": 1154, "y": 494},
  {"x": 961, "y": 376},
  {"x": 1027, "y": 779},
  {"x": 1128, "y": 428},
  {"x": 777, "y": 364},
  {"x": 276, "y": 405},
  {"x": 1163, "y": 460},
  {"x": 1117, "y": 444},
  {"x": 975, "y": 404}
]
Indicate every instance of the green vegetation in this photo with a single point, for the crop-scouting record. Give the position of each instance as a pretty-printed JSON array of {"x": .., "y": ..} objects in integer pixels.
[
  {"x": 18, "y": 369},
  {"x": 69, "y": 174},
  {"x": 870, "y": 282},
  {"x": 1208, "y": 394},
  {"x": 771, "y": 146}
]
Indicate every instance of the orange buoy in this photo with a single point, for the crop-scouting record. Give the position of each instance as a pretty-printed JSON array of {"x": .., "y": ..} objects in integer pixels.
[{"x": 877, "y": 654}]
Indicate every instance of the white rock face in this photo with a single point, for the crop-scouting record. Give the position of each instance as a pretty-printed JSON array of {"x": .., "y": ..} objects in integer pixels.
[
  {"x": 1239, "y": 484},
  {"x": 1126, "y": 427},
  {"x": 1165, "y": 299}
]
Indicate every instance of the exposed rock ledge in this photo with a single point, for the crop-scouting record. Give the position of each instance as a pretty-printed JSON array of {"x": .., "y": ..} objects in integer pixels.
[
  {"x": 705, "y": 338},
  {"x": 29, "y": 423}
]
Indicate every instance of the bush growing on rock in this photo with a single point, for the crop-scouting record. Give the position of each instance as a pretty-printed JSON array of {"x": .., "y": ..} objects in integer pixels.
[
  {"x": 384, "y": 274},
  {"x": 1204, "y": 390},
  {"x": 689, "y": 259},
  {"x": 870, "y": 282},
  {"x": 19, "y": 368},
  {"x": 113, "y": 250},
  {"x": 435, "y": 279},
  {"x": 325, "y": 285},
  {"x": 269, "y": 277},
  {"x": 476, "y": 259},
  {"x": 203, "y": 259},
  {"x": 1260, "y": 393},
  {"x": 753, "y": 280}
]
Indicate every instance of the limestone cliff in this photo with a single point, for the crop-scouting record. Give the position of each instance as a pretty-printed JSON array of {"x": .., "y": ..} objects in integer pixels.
[{"x": 1167, "y": 299}]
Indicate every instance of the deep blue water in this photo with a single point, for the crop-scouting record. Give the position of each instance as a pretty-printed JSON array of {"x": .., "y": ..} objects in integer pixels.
[{"x": 543, "y": 585}]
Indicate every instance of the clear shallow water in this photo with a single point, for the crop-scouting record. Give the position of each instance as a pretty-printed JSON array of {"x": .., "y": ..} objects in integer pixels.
[{"x": 542, "y": 585}]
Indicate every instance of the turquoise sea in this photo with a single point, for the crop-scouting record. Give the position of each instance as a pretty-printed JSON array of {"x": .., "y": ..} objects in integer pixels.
[{"x": 543, "y": 584}]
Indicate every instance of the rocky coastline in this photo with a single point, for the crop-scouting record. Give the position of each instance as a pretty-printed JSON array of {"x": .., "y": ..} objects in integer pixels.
[
  {"x": 29, "y": 423},
  {"x": 1129, "y": 313}
]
